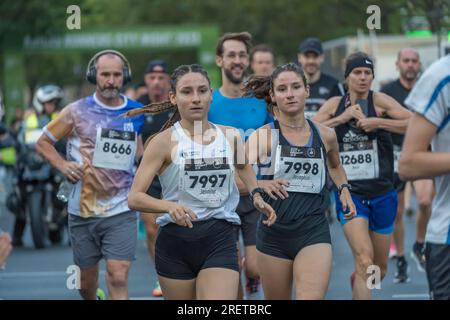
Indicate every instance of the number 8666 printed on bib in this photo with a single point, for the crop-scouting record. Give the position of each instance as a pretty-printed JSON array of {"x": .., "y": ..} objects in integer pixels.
[{"x": 114, "y": 149}]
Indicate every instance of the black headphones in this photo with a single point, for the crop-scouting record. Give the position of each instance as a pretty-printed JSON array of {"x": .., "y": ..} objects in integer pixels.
[{"x": 91, "y": 71}]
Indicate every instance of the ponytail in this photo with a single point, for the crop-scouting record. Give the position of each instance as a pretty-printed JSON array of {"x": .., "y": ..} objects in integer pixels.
[
  {"x": 156, "y": 108},
  {"x": 259, "y": 87}
]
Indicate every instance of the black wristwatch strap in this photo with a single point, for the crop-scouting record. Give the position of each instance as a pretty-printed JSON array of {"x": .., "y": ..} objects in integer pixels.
[
  {"x": 256, "y": 190},
  {"x": 344, "y": 185}
]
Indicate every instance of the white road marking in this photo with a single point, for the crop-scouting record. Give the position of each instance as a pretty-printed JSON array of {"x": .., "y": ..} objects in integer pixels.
[
  {"x": 10, "y": 275},
  {"x": 411, "y": 295}
]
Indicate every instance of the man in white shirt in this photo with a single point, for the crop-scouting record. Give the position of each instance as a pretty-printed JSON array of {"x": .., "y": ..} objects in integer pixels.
[{"x": 430, "y": 99}]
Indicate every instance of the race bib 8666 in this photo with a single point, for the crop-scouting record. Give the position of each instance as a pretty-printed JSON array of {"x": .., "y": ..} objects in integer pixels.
[{"x": 114, "y": 149}]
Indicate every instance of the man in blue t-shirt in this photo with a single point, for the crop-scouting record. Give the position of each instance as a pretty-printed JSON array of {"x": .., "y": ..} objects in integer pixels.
[{"x": 247, "y": 114}]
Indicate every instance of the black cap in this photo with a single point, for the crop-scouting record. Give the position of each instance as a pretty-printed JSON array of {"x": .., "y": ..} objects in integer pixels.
[
  {"x": 310, "y": 45},
  {"x": 156, "y": 66}
]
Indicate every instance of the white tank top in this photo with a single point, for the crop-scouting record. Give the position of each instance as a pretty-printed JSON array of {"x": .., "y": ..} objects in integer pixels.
[{"x": 201, "y": 177}]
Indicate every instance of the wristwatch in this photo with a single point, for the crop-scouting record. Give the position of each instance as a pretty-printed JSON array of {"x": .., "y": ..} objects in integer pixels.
[
  {"x": 256, "y": 190},
  {"x": 344, "y": 185}
]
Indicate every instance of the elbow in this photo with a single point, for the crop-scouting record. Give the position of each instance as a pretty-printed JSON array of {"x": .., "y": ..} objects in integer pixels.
[{"x": 406, "y": 169}]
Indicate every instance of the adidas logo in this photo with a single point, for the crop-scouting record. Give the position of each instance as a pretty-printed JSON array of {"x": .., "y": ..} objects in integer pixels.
[{"x": 350, "y": 136}]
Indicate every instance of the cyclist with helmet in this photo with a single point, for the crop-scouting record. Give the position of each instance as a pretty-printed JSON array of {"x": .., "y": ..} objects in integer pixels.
[{"x": 46, "y": 102}]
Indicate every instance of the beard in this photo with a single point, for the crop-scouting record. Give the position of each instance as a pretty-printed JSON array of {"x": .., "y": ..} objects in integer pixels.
[
  {"x": 409, "y": 75},
  {"x": 110, "y": 92},
  {"x": 232, "y": 78},
  {"x": 311, "y": 69}
]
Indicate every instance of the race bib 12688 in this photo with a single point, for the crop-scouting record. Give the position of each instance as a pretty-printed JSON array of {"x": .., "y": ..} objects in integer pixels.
[{"x": 360, "y": 159}]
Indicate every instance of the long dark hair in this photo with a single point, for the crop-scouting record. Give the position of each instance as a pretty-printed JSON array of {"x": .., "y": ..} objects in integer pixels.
[
  {"x": 261, "y": 87},
  {"x": 156, "y": 108}
]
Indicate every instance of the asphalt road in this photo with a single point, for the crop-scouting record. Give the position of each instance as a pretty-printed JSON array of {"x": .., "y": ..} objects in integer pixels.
[{"x": 41, "y": 274}]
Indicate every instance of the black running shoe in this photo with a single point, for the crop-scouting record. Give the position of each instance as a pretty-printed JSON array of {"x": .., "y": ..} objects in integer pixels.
[
  {"x": 401, "y": 276},
  {"x": 418, "y": 255}
]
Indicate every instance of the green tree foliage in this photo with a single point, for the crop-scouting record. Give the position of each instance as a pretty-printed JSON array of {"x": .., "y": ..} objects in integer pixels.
[
  {"x": 281, "y": 24},
  {"x": 31, "y": 17},
  {"x": 437, "y": 12}
]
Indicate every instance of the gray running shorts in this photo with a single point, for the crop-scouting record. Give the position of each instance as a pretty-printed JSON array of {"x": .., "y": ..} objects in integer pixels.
[{"x": 95, "y": 238}]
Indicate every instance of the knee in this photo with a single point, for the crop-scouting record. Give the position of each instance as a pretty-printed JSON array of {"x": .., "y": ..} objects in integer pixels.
[
  {"x": 363, "y": 261},
  {"x": 424, "y": 202},
  {"x": 117, "y": 277}
]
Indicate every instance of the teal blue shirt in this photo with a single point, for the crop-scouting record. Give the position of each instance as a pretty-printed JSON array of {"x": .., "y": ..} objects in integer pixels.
[{"x": 246, "y": 114}]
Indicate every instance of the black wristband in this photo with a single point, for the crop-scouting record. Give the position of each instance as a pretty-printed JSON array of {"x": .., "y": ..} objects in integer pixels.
[
  {"x": 256, "y": 190},
  {"x": 344, "y": 185}
]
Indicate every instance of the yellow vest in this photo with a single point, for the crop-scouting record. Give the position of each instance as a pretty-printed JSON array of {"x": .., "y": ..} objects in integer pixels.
[
  {"x": 32, "y": 121},
  {"x": 8, "y": 155},
  {"x": 32, "y": 130}
]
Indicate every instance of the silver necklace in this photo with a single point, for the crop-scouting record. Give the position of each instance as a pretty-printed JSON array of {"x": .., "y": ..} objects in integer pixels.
[{"x": 292, "y": 127}]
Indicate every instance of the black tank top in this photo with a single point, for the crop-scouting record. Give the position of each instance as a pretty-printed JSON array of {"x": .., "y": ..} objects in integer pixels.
[
  {"x": 373, "y": 172},
  {"x": 298, "y": 204},
  {"x": 396, "y": 90}
]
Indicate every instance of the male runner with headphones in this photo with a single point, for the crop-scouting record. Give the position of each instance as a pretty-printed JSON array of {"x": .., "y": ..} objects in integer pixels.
[{"x": 101, "y": 151}]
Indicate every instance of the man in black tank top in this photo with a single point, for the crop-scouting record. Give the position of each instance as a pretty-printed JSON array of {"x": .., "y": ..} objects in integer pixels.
[
  {"x": 408, "y": 65},
  {"x": 360, "y": 119}
]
